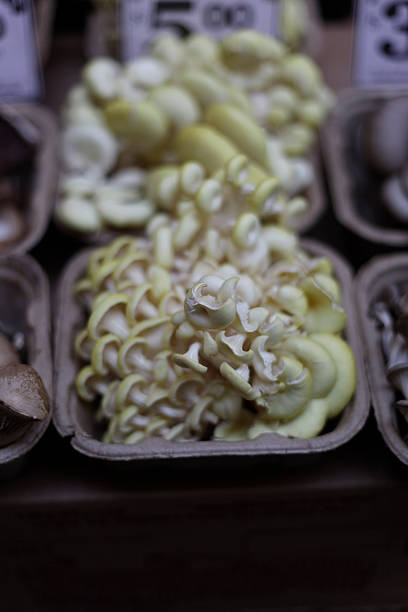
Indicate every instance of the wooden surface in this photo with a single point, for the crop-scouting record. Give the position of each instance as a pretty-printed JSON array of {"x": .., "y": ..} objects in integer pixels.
[{"x": 307, "y": 534}]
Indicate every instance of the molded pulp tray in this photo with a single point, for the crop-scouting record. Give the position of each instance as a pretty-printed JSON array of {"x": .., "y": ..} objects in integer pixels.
[
  {"x": 24, "y": 307},
  {"x": 373, "y": 278},
  {"x": 354, "y": 186},
  {"x": 38, "y": 126},
  {"x": 73, "y": 418}
]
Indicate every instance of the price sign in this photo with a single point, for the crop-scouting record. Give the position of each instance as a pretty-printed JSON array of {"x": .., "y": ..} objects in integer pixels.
[
  {"x": 381, "y": 43},
  {"x": 144, "y": 20},
  {"x": 19, "y": 66}
]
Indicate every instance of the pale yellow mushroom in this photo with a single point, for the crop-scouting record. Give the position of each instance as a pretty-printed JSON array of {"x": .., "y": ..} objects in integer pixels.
[
  {"x": 144, "y": 125},
  {"x": 132, "y": 267},
  {"x": 146, "y": 72},
  {"x": 232, "y": 347},
  {"x": 345, "y": 383},
  {"x": 206, "y": 88},
  {"x": 88, "y": 149},
  {"x": 317, "y": 360},
  {"x": 109, "y": 316},
  {"x": 83, "y": 345},
  {"x": 294, "y": 391},
  {"x": 177, "y": 103},
  {"x": 101, "y": 278},
  {"x": 192, "y": 175},
  {"x": 187, "y": 229},
  {"x": 323, "y": 314},
  {"x": 246, "y": 231},
  {"x": 104, "y": 357},
  {"x": 132, "y": 357},
  {"x": 209, "y": 197},
  {"x": 191, "y": 359},
  {"x": 267, "y": 199},
  {"x": 119, "y": 213},
  {"x": 246, "y": 49},
  {"x": 280, "y": 241},
  {"x": 302, "y": 73},
  {"x": 79, "y": 215},
  {"x": 290, "y": 299},
  {"x": 203, "y": 144},
  {"x": 204, "y": 309},
  {"x": 240, "y": 129},
  {"x": 100, "y": 76},
  {"x": 163, "y": 186},
  {"x": 89, "y": 384},
  {"x": 131, "y": 391},
  {"x": 237, "y": 381},
  {"x": 139, "y": 306}
]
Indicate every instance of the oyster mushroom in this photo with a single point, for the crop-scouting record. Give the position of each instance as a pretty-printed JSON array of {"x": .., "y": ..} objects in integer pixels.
[
  {"x": 317, "y": 360},
  {"x": 23, "y": 401},
  {"x": 345, "y": 383}
]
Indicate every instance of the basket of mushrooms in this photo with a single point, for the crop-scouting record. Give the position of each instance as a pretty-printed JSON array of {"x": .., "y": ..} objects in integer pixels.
[
  {"x": 193, "y": 99},
  {"x": 213, "y": 334},
  {"x": 382, "y": 291}
]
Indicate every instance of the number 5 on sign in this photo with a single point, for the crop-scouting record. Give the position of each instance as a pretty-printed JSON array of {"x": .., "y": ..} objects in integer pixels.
[
  {"x": 143, "y": 20},
  {"x": 381, "y": 43}
]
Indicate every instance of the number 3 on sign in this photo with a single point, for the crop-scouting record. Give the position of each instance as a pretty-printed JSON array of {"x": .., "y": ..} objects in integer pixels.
[
  {"x": 381, "y": 43},
  {"x": 142, "y": 20}
]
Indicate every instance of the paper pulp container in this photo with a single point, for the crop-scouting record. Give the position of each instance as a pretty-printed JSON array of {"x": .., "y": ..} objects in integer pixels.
[
  {"x": 354, "y": 186},
  {"x": 372, "y": 279},
  {"x": 24, "y": 307},
  {"x": 73, "y": 418},
  {"x": 37, "y": 125}
]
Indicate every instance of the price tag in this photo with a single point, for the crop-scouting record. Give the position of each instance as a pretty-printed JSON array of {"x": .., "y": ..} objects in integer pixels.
[
  {"x": 144, "y": 20},
  {"x": 19, "y": 66},
  {"x": 381, "y": 43}
]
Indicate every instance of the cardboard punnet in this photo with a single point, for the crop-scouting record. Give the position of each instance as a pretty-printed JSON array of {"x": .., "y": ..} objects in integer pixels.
[
  {"x": 25, "y": 307},
  {"x": 371, "y": 280},
  {"x": 355, "y": 188},
  {"x": 74, "y": 419},
  {"x": 42, "y": 129}
]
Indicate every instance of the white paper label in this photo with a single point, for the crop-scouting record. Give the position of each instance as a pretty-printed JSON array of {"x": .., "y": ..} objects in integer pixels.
[
  {"x": 144, "y": 20},
  {"x": 381, "y": 43},
  {"x": 19, "y": 67}
]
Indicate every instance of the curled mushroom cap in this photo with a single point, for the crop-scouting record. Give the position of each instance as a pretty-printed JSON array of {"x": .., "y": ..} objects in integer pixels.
[
  {"x": 23, "y": 400},
  {"x": 210, "y": 303}
]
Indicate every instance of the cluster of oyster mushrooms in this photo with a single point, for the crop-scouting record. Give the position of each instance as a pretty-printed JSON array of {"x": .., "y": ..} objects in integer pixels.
[
  {"x": 213, "y": 325},
  {"x": 188, "y": 100},
  {"x": 391, "y": 312}
]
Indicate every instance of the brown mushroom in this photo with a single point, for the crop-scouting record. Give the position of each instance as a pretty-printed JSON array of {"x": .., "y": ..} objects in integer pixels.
[{"x": 23, "y": 401}]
